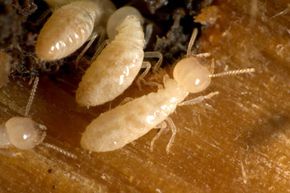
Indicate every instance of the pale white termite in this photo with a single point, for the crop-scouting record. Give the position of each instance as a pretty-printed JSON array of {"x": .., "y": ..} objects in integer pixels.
[
  {"x": 22, "y": 132},
  {"x": 116, "y": 67},
  {"x": 117, "y": 127},
  {"x": 70, "y": 27}
]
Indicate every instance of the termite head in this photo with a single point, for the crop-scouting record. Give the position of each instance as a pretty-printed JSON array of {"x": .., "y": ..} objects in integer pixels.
[
  {"x": 194, "y": 77},
  {"x": 191, "y": 75},
  {"x": 24, "y": 133},
  {"x": 118, "y": 16}
]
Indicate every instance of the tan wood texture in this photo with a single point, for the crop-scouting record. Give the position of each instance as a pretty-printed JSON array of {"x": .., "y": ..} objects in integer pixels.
[{"x": 239, "y": 141}]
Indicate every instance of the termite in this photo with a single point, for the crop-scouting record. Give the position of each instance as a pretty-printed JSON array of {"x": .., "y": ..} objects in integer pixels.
[
  {"x": 22, "y": 132},
  {"x": 116, "y": 67},
  {"x": 115, "y": 128},
  {"x": 70, "y": 26}
]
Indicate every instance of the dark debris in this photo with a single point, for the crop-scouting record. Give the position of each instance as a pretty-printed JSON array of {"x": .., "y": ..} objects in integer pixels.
[{"x": 21, "y": 21}]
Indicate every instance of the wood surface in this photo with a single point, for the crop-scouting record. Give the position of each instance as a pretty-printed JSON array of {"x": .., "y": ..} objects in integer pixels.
[{"x": 239, "y": 141}]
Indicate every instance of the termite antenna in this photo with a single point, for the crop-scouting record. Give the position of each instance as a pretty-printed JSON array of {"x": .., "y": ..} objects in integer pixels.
[
  {"x": 31, "y": 97},
  {"x": 60, "y": 150},
  {"x": 233, "y": 72},
  {"x": 191, "y": 42}
]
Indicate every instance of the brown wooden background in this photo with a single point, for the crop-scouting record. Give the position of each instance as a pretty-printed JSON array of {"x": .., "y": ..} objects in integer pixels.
[{"x": 239, "y": 141}]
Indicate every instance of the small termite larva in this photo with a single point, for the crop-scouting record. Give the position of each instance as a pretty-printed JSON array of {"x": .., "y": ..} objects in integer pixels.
[
  {"x": 22, "y": 132},
  {"x": 124, "y": 124},
  {"x": 70, "y": 27},
  {"x": 116, "y": 67},
  {"x": 5, "y": 66}
]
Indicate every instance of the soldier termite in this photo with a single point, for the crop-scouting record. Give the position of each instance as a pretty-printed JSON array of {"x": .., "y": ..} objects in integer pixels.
[
  {"x": 22, "y": 132},
  {"x": 118, "y": 64},
  {"x": 70, "y": 26},
  {"x": 117, "y": 127}
]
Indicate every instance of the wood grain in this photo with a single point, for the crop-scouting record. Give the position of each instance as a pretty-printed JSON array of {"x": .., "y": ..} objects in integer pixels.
[{"x": 236, "y": 142}]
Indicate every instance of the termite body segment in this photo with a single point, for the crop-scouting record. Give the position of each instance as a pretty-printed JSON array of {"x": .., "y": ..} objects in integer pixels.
[
  {"x": 116, "y": 128},
  {"x": 116, "y": 67},
  {"x": 70, "y": 27},
  {"x": 122, "y": 125}
]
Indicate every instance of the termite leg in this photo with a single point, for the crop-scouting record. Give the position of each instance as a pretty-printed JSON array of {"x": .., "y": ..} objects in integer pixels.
[
  {"x": 157, "y": 55},
  {"x": 148, "y": 33},
  {"x": 126, "y": 100},
  {"x": 162, "y": 126},
  {"x": 147, "y": 65},
  {"x": 98, "y": 33},
  {"x": 174, "y": 131},
  {"x": 102, "y": 43},
  {"x": 285, "y": 11},
  {"x": 191, "y": 42},
  {"x": 101, "y": 46},
  {"x": 190, "y": 46},
  {"x": 91, "y": 41},
  {"x": 198, "y": 99},
  {"x": 31, "y": 97},
  {"x": 140, "y": 79}
]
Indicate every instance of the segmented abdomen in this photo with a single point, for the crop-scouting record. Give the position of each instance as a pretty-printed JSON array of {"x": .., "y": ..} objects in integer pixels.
[
  {"x": 67, "y": 29},
  {"x": 115, "y": 68},
  {"x": 124, "y": 124}
]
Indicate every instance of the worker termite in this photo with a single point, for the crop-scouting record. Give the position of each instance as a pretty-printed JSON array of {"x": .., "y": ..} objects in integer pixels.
[
  {"x": 116, "y": 67},
  {"x": 122, "y": 125},
  {"x": 22, "y": 132},
  {"x": 70, "y": 27}
]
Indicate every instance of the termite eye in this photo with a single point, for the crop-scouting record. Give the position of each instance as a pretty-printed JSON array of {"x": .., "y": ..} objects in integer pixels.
[
  {"x": 24, "y": 133},
  {"x": 117, "y": 18},
  {"x": 191, "y": 75}
]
